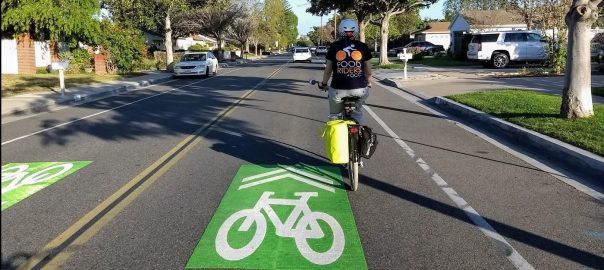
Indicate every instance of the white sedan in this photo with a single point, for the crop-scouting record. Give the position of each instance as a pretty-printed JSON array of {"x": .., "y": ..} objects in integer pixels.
[
  {"x": 302, "y": 54},
  {"x": 196, "y": 63}
]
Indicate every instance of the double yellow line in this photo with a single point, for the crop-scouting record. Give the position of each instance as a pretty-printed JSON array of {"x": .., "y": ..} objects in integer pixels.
[{"x": 58, "y": 251}]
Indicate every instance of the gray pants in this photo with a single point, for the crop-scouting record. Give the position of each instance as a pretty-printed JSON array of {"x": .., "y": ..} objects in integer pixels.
[{"x": 336, "y": 104}]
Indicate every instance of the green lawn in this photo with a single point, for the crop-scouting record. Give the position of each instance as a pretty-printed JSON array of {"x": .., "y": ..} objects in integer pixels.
[
  {"x": 13, "y": 84},
  {"x": 394, "y": 64},
  {"x": 598, "y": 91},
  {"x": 540, "y": 112},
  {"x": 443, "y": 61}
]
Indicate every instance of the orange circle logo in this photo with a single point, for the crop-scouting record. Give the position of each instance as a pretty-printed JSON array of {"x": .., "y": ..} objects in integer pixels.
[
  {"x": 340, "y": 55},
  {"x": 356, "y": 56}
]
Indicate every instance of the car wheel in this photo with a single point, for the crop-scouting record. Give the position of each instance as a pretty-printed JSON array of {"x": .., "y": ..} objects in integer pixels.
[
  {"x": 430, "y": 52},
  {"x": 500, "y": 60}
]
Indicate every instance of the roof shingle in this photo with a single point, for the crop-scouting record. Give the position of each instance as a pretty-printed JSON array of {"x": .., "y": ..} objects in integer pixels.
[{"x": 491, "y": 17}]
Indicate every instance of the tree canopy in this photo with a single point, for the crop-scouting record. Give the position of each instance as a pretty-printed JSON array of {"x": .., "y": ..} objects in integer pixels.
[{"x": 55, "y": 20}]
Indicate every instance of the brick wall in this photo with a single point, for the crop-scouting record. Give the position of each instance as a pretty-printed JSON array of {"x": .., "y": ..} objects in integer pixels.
[{"x": 26, "y": 54}]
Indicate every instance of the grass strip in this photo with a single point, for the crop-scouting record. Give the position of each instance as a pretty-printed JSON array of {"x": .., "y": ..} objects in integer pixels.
[{"x": 541, "y": 113}]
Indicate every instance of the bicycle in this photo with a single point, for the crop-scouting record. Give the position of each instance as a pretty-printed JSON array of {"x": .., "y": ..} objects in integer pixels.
[
  {"x": 353, "y": 137},
  {"x": 302, "y": 224}
]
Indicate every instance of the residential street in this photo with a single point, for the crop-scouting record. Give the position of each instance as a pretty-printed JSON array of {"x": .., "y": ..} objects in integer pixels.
[{"x": 176, "y": 176}]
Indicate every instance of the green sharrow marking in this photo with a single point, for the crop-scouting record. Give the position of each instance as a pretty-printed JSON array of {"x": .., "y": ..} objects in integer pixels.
[
  {"x": 21, "y": 180},
  {"x": 282, "y": 217}
]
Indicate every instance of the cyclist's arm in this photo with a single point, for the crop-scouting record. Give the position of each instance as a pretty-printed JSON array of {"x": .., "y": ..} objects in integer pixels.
[
  {"x": 367, "y": 71},
  {"x": 327, "y": 72}
]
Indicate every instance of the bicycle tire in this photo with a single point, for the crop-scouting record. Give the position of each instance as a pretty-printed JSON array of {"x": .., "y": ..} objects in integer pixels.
[{"x": 353, "y": 175}]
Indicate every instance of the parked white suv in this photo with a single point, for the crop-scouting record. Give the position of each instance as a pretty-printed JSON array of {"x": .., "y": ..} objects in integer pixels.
[{"x": 498, "y": 49}]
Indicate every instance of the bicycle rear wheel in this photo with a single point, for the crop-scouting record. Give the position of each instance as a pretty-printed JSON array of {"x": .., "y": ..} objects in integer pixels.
[{"x": 353, "y": 175}]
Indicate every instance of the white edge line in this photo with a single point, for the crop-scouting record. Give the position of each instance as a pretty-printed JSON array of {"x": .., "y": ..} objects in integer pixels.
[
  {"x": 514, "y": 257},
  {"x": 553, "y": 172},
  {"x": 108, "y": 110}
]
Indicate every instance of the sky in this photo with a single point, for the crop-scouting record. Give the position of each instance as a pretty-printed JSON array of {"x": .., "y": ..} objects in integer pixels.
[{"x": 306, "y": 21}]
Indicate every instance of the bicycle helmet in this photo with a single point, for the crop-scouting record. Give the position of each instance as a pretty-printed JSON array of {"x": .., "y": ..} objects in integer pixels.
[{"x": 348, "y": 28}]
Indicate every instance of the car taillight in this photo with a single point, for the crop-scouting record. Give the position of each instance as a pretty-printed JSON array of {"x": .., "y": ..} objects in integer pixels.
[{"x": 354, "y": 130}]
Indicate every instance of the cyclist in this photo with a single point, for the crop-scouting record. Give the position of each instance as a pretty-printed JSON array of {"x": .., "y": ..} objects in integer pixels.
[{"x": 348, "y": 62}]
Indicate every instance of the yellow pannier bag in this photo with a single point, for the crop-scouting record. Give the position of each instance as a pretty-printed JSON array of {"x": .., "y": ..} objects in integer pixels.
[{"x": 335, "y": 136}]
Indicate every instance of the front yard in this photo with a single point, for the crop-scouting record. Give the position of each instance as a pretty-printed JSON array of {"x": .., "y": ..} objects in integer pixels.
[{"x": 14, "y": 84}]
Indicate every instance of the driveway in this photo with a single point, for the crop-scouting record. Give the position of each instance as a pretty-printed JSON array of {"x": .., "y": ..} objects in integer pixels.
[{"x": 432, "y": 82}]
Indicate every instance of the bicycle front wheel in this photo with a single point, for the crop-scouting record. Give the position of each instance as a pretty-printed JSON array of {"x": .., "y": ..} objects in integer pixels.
[{"x": 353, "y": 175}]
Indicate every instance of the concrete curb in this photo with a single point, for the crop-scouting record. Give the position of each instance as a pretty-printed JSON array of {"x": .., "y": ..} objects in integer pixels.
[
  {"x": 78, "y": 99},
  {"x": 553, "y": 148}
]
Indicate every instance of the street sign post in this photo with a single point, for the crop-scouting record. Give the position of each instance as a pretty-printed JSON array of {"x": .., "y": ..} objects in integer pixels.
[{"x": 405, "y": 57}]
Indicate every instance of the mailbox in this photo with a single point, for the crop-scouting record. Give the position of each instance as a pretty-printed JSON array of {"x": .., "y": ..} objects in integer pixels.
[
  {"x": 62, "y": 65},
  {"x": 405, "y": 56}
]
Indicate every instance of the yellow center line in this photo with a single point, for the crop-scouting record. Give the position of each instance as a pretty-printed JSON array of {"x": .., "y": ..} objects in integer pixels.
[{"x": 57, "y": 251}]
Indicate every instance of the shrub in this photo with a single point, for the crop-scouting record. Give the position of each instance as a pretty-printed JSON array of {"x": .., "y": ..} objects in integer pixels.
[
  {"x": 125, "y": 48},
  {"x": 79, "y": 59},
  {"x": 198, "y": 47},
  {"x": 147, "y": 64}
]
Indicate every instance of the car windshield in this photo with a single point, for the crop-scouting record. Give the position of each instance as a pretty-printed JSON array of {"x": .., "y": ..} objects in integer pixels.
[
  {"x": 301, "y": 50},
  {"x": 193, "y": 57}
]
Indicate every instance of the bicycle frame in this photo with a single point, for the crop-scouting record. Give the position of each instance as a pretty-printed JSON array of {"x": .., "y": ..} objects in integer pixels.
[{"x": 286, "y": 229}]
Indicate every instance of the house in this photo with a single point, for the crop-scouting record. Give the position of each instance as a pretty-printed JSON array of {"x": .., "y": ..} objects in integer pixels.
[
  {"x": 437, "y": 33},
  {"x": 154, "y": 39},
  {"x": 472, "y": 21},
  {"x": 24, "y": 55},
  {"x": 186, "y": 42}
]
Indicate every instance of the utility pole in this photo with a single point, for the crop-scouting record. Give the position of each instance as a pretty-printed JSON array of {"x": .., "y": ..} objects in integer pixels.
[
  {"x": 321, "y": 31},
  {"x": 335, "y": 25}
]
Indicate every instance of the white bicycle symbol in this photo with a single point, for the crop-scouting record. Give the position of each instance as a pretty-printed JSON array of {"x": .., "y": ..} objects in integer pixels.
[
  {"x": 299, "y": 231},
  {"x": 18, "y": 176}
]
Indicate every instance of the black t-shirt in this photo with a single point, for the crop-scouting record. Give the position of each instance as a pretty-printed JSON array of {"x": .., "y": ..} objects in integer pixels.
[{"x": 348, "y": 62}]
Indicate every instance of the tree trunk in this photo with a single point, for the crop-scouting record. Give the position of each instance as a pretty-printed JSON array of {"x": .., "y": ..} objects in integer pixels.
[
  {"x": 362, "y": 27},
  {"x": 168, "y": 44},
  {"x": 375, "y": 44},
  {"x": 256, "y": 48},
  {"x": 576, "y": 97},
  {"x": 385, "y": 23}
]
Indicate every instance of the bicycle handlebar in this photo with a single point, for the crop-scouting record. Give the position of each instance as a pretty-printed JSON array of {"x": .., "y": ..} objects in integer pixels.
[{"x": 322, "y": 87}]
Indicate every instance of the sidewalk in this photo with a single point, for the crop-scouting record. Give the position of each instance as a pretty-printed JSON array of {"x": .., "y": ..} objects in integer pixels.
[
  {"x": 429, "y": 82},
  {"x": 433, "y": 86}
]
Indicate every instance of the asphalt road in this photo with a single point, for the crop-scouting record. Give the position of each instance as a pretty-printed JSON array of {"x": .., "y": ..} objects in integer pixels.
[{"x": 433, "y": 196}]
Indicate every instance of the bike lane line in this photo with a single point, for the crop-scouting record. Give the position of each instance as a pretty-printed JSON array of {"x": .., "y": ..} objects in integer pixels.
[
  {"x": 499, "y": 241},
  {"x": 282, "y": 217},
  {"x": 58, "y": 251},
  {"x": 21, "y": 180}
]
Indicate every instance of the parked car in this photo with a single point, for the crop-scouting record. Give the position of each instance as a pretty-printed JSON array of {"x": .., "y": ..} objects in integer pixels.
[
  {"x": 302, "y": 54},
  {"x": 196, "y": 63},
  {"x": 321, "y": 50},
  {"x": 498, "y": 49},
  {"x": 428, "y": 48},
  {"x": 395, "y": 51}
]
